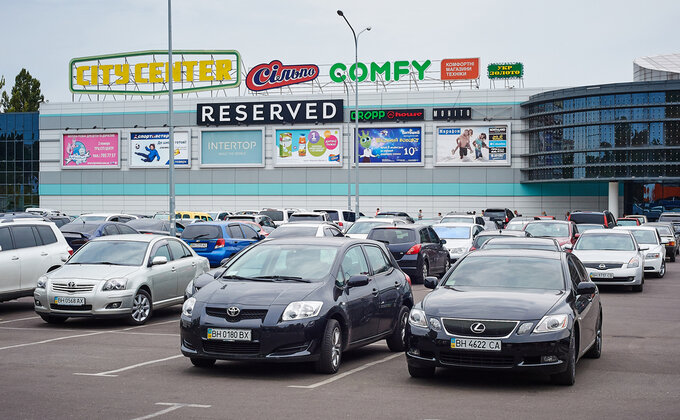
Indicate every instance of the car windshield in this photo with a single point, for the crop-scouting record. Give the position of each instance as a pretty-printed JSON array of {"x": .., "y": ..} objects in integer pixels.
[
  {"x": 553, "y": 230},
  {"x": 457, "y": 219},
  {"x": 669, "y": 218},
  {"x": 645, "y": 237},
  {"x": 149, "y": 224},
  {"x": 664, "y": 230},
  {"x": 305, "y": 217},
  {"x": 587, "y": 218},
  {"x": 447, "y": 232},
  {"x": 201, "y": 231},
  {"x": 288, "y": 231},
  {"x": 511, "y": 272},
  {"x": 496, "y": 214},
  {"x": 273, "y": 261},
  {"x": 162, "y": 216},
  {"x": 333, "y": 214},
  {"x": 80, "y": 227},
  {"x": 481, "y": 240},
  {"x": 111, "y": 253},
  {"x": 519, "y": 245},
  {"x": 362, "y": 228},
  {"x": 85, "y": 219},
  {"x": 275, "y": 215},
  {"x": 626, "y": 222},
  {"x": 584, "y": 227},
  {"x": 392, "y": 236},
  {"x": 605, "y": 242},
  {"x": 515, "y": 226}
]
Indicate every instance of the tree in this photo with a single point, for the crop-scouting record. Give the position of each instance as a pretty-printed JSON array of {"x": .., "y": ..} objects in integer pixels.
[{"x": 26, "y": 95}]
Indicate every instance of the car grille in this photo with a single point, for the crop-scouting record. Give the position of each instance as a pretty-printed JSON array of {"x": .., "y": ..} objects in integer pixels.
[
  {"x": 64, "y": 287},
  {"x": 492, "y": 328},
  {"x": 244, "y": 314},
  {"x": 607, "y": 266},
  {"x": 226, "y": 347},
  {"x": 70, "y": 307},
  {"x": 467, "y": 358}
]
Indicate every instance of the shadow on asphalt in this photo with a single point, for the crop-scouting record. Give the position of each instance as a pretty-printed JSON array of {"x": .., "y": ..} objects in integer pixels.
[
  {"x": 74, "y": 323},
  {"x": 15, "y": 306}
]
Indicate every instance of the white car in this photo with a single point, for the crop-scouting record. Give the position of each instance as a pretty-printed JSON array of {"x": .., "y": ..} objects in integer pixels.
[
  {"x": 126, "y": 276},
  {"x": 104, "y": 217},
  {"x": 343, "y": 218},
  {"x": 360, "y": 228},
  {"x": 655, "y": 254},
  {"x": 279, "y": 216},
  {"x": 611, "y": 257},
  {"x": 471, "y": 219},
  {"x": 296, "y": 230},
  {"x": 309, "y": 216},
  {"x": 29, "y": 248},
  {"x": 459, "y": 237}
]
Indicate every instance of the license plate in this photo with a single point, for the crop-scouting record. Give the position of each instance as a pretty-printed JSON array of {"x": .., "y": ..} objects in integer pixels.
[
  {"x": 229, "y": 334},
  {"x": 601, "y": 275},
  {"x": 69, "y": 301},
  {"x": 475, "y": 344},
  {"x": 198, "y": 245}
]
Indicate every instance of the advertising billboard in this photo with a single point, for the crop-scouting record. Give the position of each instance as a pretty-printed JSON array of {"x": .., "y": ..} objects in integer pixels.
[
  {"x": 276, "y": 75},
  {"x": 308, "y": 147},
  {"x": 279, "y": 112},
  {"x": 152, "y": 150},
  {"x": 505, "y": 71},
  {"x": 90, "y": 150},
  {"x": 460, "y": 68},
  {"x": 228, "y": 148},
  {"x": 388, "y": 115},
  {"x": 473, "y": 145},
  {"x": 389, "y": 70},
  {"x": 391, "y": 145}
]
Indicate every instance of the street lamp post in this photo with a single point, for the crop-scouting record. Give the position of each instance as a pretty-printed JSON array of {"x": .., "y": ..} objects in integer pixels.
[
  {"x": 171, "y": 133},
  {"x": 356, "y": 111}
]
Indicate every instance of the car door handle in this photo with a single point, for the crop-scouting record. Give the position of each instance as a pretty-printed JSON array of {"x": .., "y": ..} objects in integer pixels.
[
  {"x": 44, "y": 254},
  {"x": 193, "y": 264},
  {"x": 173, "y": 269},
  {"x": 375, "y": 291},
  {"x": 396, "y": 283},
  {"x": 14, "y": 258}
]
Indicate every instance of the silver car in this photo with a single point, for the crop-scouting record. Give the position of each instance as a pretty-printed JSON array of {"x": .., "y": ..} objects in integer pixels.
[{"x": 126, "y": 276}]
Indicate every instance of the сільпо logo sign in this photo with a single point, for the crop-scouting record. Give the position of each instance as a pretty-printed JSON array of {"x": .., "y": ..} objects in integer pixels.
[{"x": 275, "y": 75}]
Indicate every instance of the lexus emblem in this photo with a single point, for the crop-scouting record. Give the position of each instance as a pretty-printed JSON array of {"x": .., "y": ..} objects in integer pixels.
[
  {"x": 233, "y": 311},
  {"x": 477, "y": 328},
  {"x": 71, "y": 285},
  {"x": 602, "y": 266}
]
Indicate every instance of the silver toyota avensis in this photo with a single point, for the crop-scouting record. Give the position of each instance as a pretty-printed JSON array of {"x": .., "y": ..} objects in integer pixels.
[{"x": 126, "y": 276}]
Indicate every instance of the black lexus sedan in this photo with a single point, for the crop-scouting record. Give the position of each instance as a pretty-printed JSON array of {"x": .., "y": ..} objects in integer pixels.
[
  {"x": 298, "y": 299},
  {"x": 507, "y": 309}
]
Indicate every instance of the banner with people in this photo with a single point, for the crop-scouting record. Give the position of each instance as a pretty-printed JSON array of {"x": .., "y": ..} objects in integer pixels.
[
  {"x": 391, "y": 145},
  {"x": 90, "y": 150},
  {"x": 152, "y": 149},
  {"x": 473, "y": 145},
  {"x": 308, "y": 147}
]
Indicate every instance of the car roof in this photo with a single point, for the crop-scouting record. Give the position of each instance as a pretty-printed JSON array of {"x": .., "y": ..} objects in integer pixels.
[
  {"x": 534, "y": 253},
  {"x": 106, "y": 214},
  {"x": 551, "y": 221},
  {"x": 605, "y": 232},
  {"x": 410, "y": 226},
  {"x": 137, "y": 237},
  {"x": 306, "y": 224},
  {"x": 651, "y": 228},
  {"x": 499, "y": 232},
  {"x": 25, "y": 220},
  {"x": 327, "y": 240},
  {"x": 308, "y": 213},
  {"x": 454, "y": 224}
]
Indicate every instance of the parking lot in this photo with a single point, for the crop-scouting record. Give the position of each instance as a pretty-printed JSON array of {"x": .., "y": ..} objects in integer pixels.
[{"x": 93, "y": 368}]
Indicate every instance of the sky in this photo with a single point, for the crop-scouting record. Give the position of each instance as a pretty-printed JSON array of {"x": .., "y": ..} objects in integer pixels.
[{"x": 561, "y": 43}]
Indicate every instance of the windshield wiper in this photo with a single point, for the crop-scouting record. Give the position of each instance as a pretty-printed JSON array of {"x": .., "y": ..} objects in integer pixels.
[
  {"x": 293, "y": 278},
  {"x": 234, "y": 277},
  {"x": 202, "y": 235}
]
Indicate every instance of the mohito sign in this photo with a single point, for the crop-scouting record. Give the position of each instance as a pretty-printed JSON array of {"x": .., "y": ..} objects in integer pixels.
[
  {"x": 379, "y": 115},
  {"x": 374, "y": 71},
  {"x": 505, "y": 71},
  {"x": 259, "y": 113},
  {"x": 444, "y": 114},
  {"x": 276, "y": 75},
  {"x": 147, "y": 72},
  {"x": 460, "y": 69}
]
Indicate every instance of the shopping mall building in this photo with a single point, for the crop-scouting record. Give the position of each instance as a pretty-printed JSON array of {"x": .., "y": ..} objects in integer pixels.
[{"x": 429, "y": 138}]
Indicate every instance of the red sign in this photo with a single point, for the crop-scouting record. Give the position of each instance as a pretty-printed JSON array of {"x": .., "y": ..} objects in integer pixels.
[
  {"x": 460, "y": 68},
  {"x": 275, "y": 75}
]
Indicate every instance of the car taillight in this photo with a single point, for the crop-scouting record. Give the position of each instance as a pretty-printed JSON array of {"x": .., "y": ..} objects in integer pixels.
[
  {"x": 415, "y": 249},
  {"x": 472, "y": 248},
  {"x": 219, "y": 243},
  {"x": 408, "y": 279},
  {"x": 340, "y": 224},
  {"x": 506, "y": 219},
  {"x": 671, "y": 243},
  {"x": 605, "y": 222}
]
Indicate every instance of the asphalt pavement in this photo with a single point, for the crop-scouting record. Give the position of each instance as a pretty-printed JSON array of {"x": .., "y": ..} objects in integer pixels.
[{"x": 89, "y": 369}]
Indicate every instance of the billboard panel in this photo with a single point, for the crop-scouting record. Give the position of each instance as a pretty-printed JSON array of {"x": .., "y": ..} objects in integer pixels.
[
  {"x": 391, "y": 145},
  {"x": 505, "y": 71},
  {"x": 152, "y": 150},
  {"x": 227, "y": 148},
  {"x": 460, "y": 68},
  {"x": 90, "y": 150},
  {"x": 308, "y": 147},
  {"x": 473, "y": 145}
]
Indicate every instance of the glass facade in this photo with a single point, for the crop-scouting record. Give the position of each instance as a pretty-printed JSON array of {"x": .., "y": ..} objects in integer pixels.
[
  {"x": 616, "y": 132},
  {"x": 19, "y": 161}
]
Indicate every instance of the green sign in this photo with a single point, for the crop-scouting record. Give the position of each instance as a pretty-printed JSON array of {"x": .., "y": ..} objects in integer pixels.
[
  {"x": 505, "y": 71},
  {"x": 388, "y": 70}
]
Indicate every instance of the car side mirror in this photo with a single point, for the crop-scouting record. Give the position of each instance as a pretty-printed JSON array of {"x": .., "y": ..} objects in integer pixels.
[
  {"x": 358, "y": 280},
  {"x": 64, "y": 258},
  {"x": 586, "y": 288},
  {"x": 442, "y": 241},
  {"x": 567, "y": 247},
  {"x": 160, "y": 260},
  {"x": 577, "y": 235},
  {"x": 260, "y": 237},
  {"x": 430, "y": 282},
  {"x": 225, "y": 260}
]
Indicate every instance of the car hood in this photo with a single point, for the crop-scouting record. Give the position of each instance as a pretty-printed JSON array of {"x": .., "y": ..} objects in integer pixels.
[
  {"x": 255, "y": 293},
  {"x": 497, "y": 304},
  {"x": 604, "y": 256},
  {"x": 458, "y": 243},
  {"x": 92, "y": 271}
]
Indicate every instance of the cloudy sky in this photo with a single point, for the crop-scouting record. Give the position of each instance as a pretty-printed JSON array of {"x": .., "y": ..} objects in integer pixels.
[{"x": 561, "y": 43}]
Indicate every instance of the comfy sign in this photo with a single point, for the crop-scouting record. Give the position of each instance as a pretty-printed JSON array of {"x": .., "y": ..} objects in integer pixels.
[
  {"x": 276, "y": 75},
  {"x": 389, "y": 115}
]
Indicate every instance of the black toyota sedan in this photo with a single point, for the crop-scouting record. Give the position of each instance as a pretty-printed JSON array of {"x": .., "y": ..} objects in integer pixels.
[
  {"x": 508, "y": 309},
  {"x": 298, "y": 299}
]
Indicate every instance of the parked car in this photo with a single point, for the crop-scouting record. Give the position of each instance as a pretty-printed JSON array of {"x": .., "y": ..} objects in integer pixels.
[
  {"x": 298, "y": 230},
  {"x": 518, "y": 223},
  {"x": 458, "y": 236},
  {"x": 545, "y": 244},
  {"x": 360, "y": 228},
  {"x": 668, "y": 238},
  {"x": 219, "y": 240},
  {"x": 78, "y": 234},
  {"x": 343, "y": 218},
  {"x": 29, "y": 248},
  {"x": 104, "y": 217},
  {"x": 416, "y": 248},
  {"x": 262, "y": 230},
  {"x": 193, "y": 215},
  {"x": 126, "y": 276},
  {"x": 524, "y": 310},
  {"x": 463, "y": 218},
  {"x": 303, "y": 300},
  {"x": 627, "y": 221},
  {"x": 393, "y": 214},
  {"x": 482, "y": 237},
  {"x": 278, "y": 216},
  {"x": 500, "y": 216},
  {"x": 588, "y": 226},
  {"x": 612, "y": 257},
  {"x": 261, "y": 219},
  {"x": 641, "y": 218},
  {"x": 155, "y": 226},
  {"x": 604, "y": 218},
  {"x": 655, "y": 252},
  {"x": 59, "y": 220},
  {"x": 309, "y": 216},
  {"x": 565, "y": 232}
]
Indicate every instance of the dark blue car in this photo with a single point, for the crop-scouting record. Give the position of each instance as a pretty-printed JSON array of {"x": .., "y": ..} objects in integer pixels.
[
  {"x": 219, "y": 240},
  {"x": 78, "y": 234}
]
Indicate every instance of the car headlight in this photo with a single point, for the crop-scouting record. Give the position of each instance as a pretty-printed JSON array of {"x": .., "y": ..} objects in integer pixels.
[
  {"x": 435, "y": 324},
  {"x": 115, "y": 284},
  {"x": 652, "y": 256},
  {"x": 188, "y": 307},
  {"x": 42, "y": 283},
  {"x": 551, "y": 323},
  {"x": 634, "y": 262},
  {"x": 189, "y": 291},
  {"x": 417, "y": 318},
  {"x": 301, "y": 310},
  {"x": 458, "y": 250}
]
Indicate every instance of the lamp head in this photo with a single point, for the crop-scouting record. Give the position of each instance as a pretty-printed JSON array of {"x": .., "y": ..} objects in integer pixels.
[{"x": 340, "y": 13}]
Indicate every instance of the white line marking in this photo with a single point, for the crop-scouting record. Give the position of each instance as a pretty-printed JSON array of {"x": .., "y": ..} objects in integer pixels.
[
  {"x": 110, "y": 373},
  {"x": 173, "y": 407},
  {"x": 349, "y": 372},
  {"x": 87, "y": 331},
  {"x": 150, "y": 325},
  {"x": 51, "y": 340},
  {"x": 20, "y": 319}
]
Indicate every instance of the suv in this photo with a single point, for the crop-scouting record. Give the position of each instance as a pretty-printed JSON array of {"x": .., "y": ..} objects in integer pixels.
[
  {"x": 278, "y": 216},
  {"x": 309, "y": 216},
  {"x": 343, "y": 218},
  {"x": 29, "y": 248},
  {"x": 500, "y": 216},
  {"x": 471, "y": 219},
  {"x": 392, "y": 214},
  {"x": 604, "y": 218}
]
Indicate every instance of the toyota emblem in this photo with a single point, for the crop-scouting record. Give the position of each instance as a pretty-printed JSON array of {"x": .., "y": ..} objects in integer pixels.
[
  {"x": 71, "y": 285},
  {"x": 233, "y": 311},
  {"x": 477, "y": 328},
  {"x": 602, "y": 266}
]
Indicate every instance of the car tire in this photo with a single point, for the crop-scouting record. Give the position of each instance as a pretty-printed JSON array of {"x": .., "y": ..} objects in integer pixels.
[
  {"x": 397, "y": 340},
  {"x": 331, "y": 349},
  {"x": 424, "y": 272},
  {"x": 141, "y": 308},
  {"x": 568, "y": 377},
  {"x": 639, "y": 287},
  {"x": 51, "y": 319},
  {"x": 447, "y": 265},
  {"x": 421, "y": 371},
  {"x": 662, "y": 270},
  {"x": 673, "y": 257},
  {"x": 202, "y": 363},
  {"x": 595, "y": 350}
]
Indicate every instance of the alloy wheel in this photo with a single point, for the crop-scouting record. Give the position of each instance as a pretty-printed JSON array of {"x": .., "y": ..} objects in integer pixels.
[
  {"x": 140, "y": 307},
  {"x": 335, "y": 350}
]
